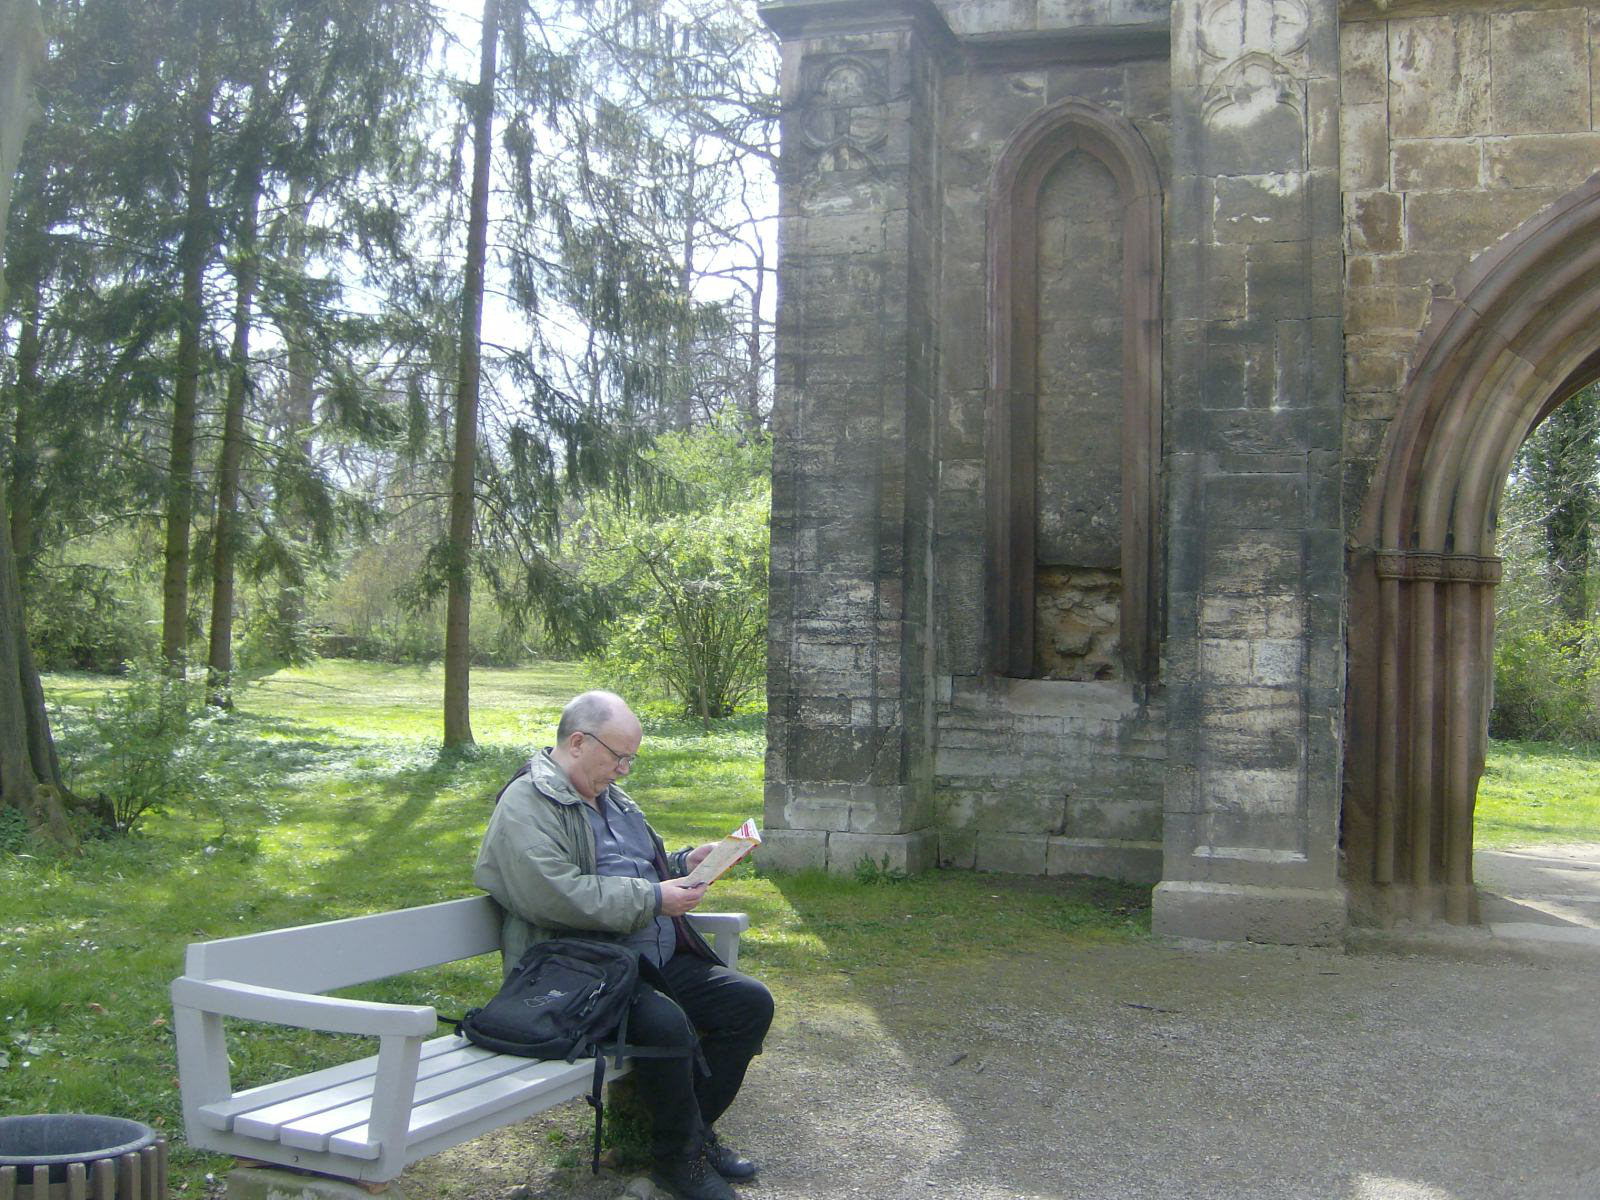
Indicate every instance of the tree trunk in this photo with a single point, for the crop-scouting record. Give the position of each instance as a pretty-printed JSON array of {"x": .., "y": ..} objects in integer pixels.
[
  {"x": 683, "y": 417},
  {"x": 193, "y": 253},
  {"x": 458, "y": 606},
  {"x": 225, "y": 537},
  {"x": 30, "y": 777},
  {"x": 299, "y": 397},
  {"x": 24, "y": 446}
]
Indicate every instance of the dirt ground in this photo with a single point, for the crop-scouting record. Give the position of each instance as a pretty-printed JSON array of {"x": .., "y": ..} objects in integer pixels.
[{"x": 1157, "y": 1070}]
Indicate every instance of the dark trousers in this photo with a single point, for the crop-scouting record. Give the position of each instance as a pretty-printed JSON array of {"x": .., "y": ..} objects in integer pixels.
[{"x": 730, "y": 1012}]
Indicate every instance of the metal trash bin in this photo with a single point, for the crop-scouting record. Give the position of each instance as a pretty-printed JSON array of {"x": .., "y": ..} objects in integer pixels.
[{"x": 74, "y": 1156}]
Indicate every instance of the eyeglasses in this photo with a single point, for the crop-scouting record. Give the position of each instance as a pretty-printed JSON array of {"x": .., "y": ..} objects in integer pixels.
[{"x": 623, "y": 760}]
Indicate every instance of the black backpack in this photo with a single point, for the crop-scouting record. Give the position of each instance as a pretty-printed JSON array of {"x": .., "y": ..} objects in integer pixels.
[{"x": 568, "y": 998}]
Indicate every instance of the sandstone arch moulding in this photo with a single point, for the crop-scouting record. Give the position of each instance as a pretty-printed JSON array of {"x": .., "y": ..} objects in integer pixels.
[
  {"x": 1019, "y": 175},
  {"x": 1520, "y": 333}
]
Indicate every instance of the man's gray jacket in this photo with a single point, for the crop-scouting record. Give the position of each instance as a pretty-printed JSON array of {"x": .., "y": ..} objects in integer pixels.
[{"x": 538, "y": 862}]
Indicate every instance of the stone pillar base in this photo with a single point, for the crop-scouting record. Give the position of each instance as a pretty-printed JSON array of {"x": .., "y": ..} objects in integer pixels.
[
  {"x": 841, "y": 853},
  {"x": 268, "y": 1183},
  {"x": 1232, "y": 912}
]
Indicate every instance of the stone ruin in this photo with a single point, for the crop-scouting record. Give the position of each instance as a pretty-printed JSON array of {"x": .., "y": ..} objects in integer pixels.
[{"x": 1148, "y": 374}]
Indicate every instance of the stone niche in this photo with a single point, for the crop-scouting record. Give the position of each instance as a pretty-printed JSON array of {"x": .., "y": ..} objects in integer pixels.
[
  {"x": 1079, "y": 424},
  {"x": 1074, "y": 399}
]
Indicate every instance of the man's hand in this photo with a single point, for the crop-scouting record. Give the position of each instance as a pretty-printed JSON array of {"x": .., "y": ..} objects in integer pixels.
[
  {"x": 698, "y": 855},
  {"x": 677, "y": 899}
]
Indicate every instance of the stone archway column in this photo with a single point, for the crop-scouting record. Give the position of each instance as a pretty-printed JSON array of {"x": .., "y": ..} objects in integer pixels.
[
  {"x": 1255, "y": 557},
  {"x": 849, "y": 729}
]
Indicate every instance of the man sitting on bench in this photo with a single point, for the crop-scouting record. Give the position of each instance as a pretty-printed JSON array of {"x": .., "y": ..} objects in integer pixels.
[{"x": 567, "y": 852}]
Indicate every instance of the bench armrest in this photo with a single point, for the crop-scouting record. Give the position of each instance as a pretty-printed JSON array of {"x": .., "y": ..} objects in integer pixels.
[
  {"x": 723, "y": 929},
  {"x": 251, "y": 1002}
]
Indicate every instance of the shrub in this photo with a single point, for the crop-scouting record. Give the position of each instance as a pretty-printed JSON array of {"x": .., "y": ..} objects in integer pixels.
[
  {"x": 690, "y": 587},
  {"x": 153, "y": 745},
  {"x": 87, "y": 617},
  {"x": 1546, "y": 681}
]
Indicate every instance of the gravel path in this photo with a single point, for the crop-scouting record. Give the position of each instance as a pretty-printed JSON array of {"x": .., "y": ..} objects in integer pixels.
[{"x": 1150, "y": 1071}]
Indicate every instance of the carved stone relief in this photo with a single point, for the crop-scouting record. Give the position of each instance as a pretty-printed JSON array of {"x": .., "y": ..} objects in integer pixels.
[
  {"x": 1252, "y": 54},
  {"x": 845, "y": 121}
]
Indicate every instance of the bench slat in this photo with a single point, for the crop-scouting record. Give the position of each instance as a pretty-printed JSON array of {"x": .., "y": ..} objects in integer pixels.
[
  {"x": 311, "y": 1130},
  {"x": 336, "y": 954},
  {"x": 439, "y": 1116},
  {"x": 221, "y": 1115},
  {"x": 265, "y": 1120}
]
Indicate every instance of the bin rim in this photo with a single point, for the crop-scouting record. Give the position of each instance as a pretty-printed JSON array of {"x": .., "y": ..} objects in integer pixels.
[{"x": 136, "y": 1134}]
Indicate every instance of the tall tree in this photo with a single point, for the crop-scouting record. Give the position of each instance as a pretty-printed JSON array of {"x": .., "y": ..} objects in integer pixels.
[
  {"x": 225, "y": 533},
  {"x": 194, "y": 255},
  {"x": 463, "y": 465},
  {"x": 30, "y": 775}
]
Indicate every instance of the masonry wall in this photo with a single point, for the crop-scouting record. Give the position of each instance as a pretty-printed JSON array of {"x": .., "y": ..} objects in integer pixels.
[
  {"x": 1042, "y": 775},
  {"x": 1458, "y": 123}
]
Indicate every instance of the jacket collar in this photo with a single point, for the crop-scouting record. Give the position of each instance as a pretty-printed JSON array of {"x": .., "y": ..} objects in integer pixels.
[{"x": 547, "y": 776}]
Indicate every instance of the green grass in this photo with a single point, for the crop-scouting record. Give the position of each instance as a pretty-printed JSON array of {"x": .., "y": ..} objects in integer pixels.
[
  {"x": 331, "y": 797},
  {"x": 1535, "y": 792}
]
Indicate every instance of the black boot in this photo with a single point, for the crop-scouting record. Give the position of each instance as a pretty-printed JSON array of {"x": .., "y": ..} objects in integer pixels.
[
  {"x": 725, "y": 1160},
  {"x": 691, "y": 1179}
]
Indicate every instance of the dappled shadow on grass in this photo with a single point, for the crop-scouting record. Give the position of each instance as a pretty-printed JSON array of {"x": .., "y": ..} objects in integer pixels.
[{"x": 423, "y": 821}]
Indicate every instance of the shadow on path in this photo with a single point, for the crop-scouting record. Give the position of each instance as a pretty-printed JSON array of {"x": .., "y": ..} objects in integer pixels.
[{"x": 1541, "y": 894}]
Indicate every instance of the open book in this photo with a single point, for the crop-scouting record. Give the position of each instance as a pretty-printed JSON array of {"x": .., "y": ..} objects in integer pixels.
[{"x": 725, "y": 853}]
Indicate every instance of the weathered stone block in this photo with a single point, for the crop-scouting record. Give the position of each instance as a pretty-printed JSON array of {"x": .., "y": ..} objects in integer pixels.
[
  {"x": 1439, "y": 76},
  {"x": 958, "y": 848},
  {"x": 1014, "y": 854},
  {"x": 969, "y": 17},
  {"x": 792, "y": 849},
  {"x": 1122, "y": 820},
  {"x": 1364, "y": 63},
  {"x": 1225, "y": 660},
  {"x": 1277, "y": 662},
  {"x": 1551, "y": 160},
  {"x": 1386, "y": 308},
  {"x": 912, "y": 853},
  {"x": 1260, "y": 208},
  {"x": 1364, "y": 147},
  {"x": 1237, "y": 912},
  {"x": 1130, "y": 862},
  {"x": 1256, "y": 501},
  {"x": 817, "y": 806},
  {"x": 1539, "y": 67},
  {"x": 1247, "y": 561},
  {"x": 1470, "y": 221},
  {"x": 878, "y": 810},
  {"x": 1250, "y": 793},
  {"x": 1436, "y": 164}
]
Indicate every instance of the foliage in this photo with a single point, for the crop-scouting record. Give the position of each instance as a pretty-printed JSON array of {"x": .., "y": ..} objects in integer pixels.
[
  {"x": 15, "y": 836},
  {"x": 90, "y": 617},
  {"x": 690, "y": 588},
  {"x": 1547, "y": 683},
  {"x": 156, "y": 746},
  {"x": 1547, "y": 640}
]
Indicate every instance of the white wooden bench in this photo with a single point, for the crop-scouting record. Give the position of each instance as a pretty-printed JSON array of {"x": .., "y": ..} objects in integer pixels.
[{"x": 367, "y": 1119}]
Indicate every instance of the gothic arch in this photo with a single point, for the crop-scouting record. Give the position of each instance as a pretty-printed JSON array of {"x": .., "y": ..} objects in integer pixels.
[
  {"x": 1519, "y": 334},
  {"x": 1020, "y": 173}
]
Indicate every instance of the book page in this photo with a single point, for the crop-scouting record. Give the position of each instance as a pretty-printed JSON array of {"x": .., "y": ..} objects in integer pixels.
[{"x": 725, "y": 853}]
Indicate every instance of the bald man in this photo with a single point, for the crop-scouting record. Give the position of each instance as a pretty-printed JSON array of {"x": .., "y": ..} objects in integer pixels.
[{"x": 567, "y": 852}]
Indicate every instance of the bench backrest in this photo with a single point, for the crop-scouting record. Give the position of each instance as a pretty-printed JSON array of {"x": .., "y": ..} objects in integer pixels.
[{"x": 336, "y": 954}]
